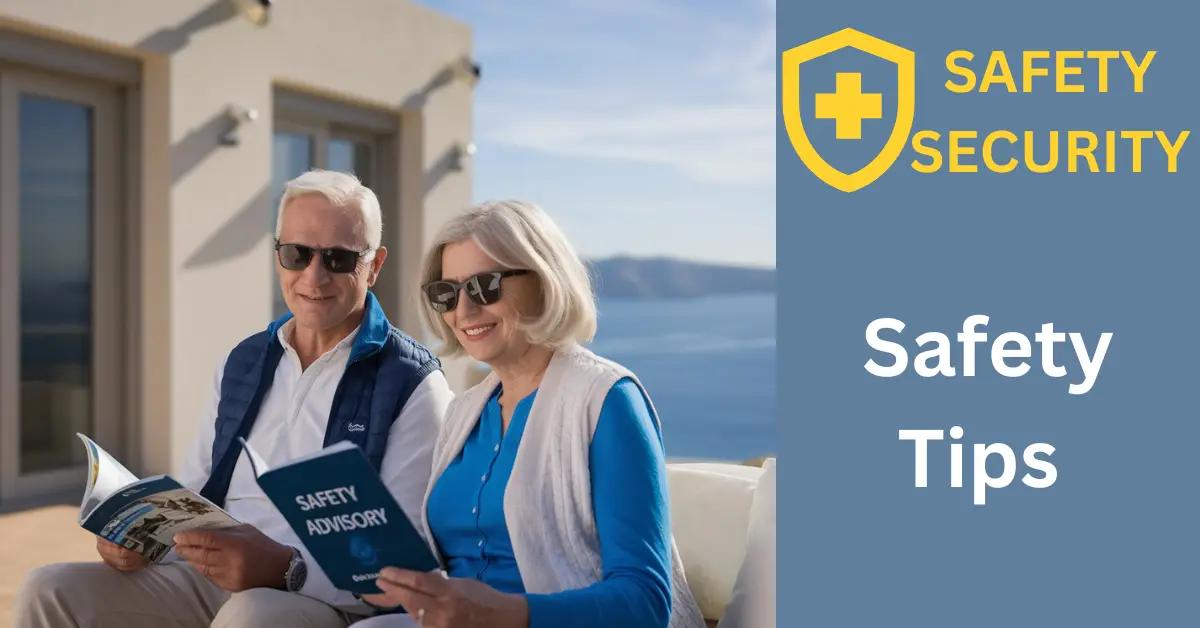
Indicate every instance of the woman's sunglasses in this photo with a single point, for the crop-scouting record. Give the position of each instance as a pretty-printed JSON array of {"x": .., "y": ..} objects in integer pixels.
[
  {"x": 298, "y": 257},
  {"x": 483, "y": 289}
]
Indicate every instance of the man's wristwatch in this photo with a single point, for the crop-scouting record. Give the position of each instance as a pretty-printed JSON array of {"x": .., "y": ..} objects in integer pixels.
[{"x": 297, "y": 572}]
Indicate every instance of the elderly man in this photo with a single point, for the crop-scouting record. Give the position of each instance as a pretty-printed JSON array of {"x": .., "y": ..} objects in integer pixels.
[{"x": 333, "y": 369}]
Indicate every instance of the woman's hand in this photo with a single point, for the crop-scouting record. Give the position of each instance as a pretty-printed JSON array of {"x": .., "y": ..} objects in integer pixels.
[{"x": 436, "y": 601}]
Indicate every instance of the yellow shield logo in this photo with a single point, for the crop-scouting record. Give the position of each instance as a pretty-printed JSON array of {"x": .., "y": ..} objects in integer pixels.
[{"x": 848, "y": 106}]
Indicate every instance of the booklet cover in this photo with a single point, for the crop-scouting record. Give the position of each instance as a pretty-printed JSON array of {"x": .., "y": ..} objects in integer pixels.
[
  {"x": 344, "y": 515},
  {"x": 141, "y": 515}
]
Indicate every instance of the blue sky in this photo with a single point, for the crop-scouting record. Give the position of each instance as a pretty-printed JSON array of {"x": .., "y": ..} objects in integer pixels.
[{"x": 644, "y": 127}]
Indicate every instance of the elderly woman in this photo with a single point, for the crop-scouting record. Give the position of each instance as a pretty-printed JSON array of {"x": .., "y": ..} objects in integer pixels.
[{"x": 548, "y": 499}]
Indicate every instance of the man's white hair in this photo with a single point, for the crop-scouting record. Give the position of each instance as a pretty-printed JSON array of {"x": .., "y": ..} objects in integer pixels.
[
  {"x": 342, "y": 190},
  {"x": 520, "y": 235}
]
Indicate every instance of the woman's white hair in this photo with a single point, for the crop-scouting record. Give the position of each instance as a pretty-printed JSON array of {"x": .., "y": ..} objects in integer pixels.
[
  {"x": 342, "y": 190},
  {"x": 520, "y": 235}
]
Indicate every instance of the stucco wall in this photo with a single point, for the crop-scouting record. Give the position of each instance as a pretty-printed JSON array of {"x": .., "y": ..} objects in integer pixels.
[{"x": 204, "y": 272}]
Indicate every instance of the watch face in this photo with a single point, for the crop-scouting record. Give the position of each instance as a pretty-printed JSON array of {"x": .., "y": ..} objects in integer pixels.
[
  {"x": 301, "y": 574},
  {"x": 297, "y": 574}
]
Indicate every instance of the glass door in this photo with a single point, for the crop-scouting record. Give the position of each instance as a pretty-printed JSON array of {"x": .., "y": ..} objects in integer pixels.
[{"x": 61, "y": 369}]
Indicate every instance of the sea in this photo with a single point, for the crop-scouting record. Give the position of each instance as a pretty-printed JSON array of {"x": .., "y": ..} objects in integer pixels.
[{"x": 708, "y": 364}]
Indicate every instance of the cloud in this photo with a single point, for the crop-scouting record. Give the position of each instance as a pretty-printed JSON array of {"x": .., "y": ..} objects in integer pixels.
[
  {"x": 611, "y": 113},
  {"x": 633, "y": 8},
  {"x": 719, "y": 144},
  {"x": 746, "y": 58},
  {"x": 685, "y": 89}
]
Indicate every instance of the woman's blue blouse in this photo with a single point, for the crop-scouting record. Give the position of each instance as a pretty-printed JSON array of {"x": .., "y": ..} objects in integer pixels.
[{"x": 629, "y": 499}]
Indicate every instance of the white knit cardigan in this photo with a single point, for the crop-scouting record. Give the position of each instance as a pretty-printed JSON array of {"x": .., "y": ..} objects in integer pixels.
[{"x": 548, "y": 500}]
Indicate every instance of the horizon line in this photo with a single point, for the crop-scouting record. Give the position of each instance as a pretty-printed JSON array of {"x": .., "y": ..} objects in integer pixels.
[{"x": 709, "y": 262}]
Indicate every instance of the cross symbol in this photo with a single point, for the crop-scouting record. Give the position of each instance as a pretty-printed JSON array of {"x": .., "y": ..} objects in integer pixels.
[{"x": 848, "y": 106}]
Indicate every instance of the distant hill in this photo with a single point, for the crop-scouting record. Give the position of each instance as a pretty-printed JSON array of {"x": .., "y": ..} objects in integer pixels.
[{"x": 669, "y": 278}]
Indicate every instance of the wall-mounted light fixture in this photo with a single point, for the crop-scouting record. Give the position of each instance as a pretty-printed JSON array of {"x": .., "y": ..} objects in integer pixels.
[
  {"x": 460, "y": 155},
  {"x": 257, "y": 11},
  {"x": 236, "y": 115}
]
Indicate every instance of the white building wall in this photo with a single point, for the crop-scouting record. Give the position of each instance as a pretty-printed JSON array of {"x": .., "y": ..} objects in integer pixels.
[{"x": 204, "y": 274}]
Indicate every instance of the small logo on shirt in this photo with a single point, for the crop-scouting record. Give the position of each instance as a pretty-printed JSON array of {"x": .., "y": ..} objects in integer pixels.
[{"x": 356, "y": 427}]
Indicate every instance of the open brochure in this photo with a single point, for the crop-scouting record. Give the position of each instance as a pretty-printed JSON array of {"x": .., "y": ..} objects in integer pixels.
[
  {"x": 141, "y": 515},
  {"x": 344, "y": 515}
]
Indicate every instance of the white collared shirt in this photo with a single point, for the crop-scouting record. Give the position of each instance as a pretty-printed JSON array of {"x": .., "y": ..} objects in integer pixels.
[{"x": 291, "y": 423}]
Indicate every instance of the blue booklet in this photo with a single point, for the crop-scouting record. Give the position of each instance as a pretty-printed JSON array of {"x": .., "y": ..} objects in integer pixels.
[{"x": 344, "y": 515}]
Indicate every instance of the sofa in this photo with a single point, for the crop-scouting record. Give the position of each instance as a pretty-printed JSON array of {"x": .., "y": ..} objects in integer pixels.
[{"x": 723, "y": 520}]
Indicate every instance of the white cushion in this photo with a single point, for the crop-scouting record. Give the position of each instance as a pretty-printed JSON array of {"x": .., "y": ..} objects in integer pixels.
[
  {"x": 710, "y": 513},
  {"x": 722, "y": 468},
  {"x": 753, "y": 601}
]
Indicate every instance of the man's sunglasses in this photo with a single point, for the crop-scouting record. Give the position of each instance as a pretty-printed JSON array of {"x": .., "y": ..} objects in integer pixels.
[
  {"x": 298, "y": 257},
  {"x": 483, "y": 289}
]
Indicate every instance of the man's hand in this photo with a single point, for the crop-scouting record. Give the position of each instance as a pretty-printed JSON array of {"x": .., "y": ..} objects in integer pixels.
[
  {"x": 436, "y": 601},
  {"x": 118, "y": 557},
  {"x": 236, "y": 558}
]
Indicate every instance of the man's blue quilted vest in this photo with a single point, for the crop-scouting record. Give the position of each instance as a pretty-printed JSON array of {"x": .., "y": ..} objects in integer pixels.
[{"x": 385, "y": 367}]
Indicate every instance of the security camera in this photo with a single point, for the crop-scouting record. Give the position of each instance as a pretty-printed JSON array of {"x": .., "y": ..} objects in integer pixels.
[{"x": 468, "y": 71}]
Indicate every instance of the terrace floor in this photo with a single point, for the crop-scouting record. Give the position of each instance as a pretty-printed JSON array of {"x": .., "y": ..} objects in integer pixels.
[{"x": 37, "y": 536}]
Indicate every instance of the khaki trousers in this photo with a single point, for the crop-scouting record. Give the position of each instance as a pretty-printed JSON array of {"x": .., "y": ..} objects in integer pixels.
[{"x": 167, "y": 595}]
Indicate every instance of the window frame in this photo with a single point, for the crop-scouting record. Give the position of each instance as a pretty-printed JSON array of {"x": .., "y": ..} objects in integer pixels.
[{"x": 325, "y": 119}]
